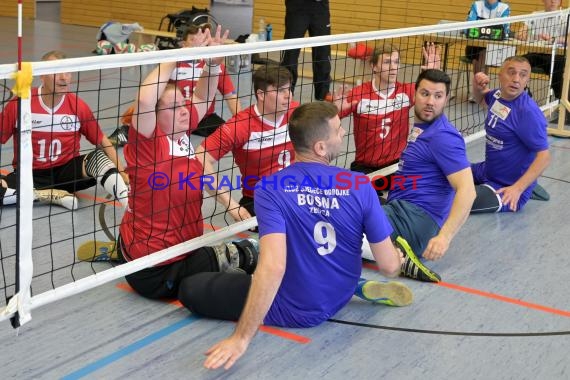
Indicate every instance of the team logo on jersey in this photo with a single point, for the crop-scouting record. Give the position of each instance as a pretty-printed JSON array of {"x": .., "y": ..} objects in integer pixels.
[
  {"x": 191, "y": 73},
  {"x": 500, "y": 110},
  {"x": 57, "y": 123},
  {"x": 67, "y": 123},
  {"x": 383, "y": 106},
  {"x": 181, "y": 147},
  {"x": 414, "y": 134},
  {"x": 401, "y": 101},
  {"x": 267, "y": 139}
]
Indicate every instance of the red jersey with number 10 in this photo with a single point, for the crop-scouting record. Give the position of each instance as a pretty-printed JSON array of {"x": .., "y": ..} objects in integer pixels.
[{"x": 56, "y": 132}]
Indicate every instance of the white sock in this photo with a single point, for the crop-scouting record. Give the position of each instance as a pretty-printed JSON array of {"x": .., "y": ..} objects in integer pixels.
[
  {"x": 115, "y": 185},
  {"x": 10, "y": 197}
]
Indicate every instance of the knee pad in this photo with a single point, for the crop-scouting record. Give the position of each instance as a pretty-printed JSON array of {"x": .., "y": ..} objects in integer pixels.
[
  {"x": 97, "y": 164},
  {"x": 487, "y": 200},
  {"x": 249, "y": 253}
]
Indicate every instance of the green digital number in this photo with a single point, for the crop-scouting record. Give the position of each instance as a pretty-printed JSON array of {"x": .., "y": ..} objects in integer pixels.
[
  {"x": 497, "y": 34},
  {"x": 474, "y": 32}
]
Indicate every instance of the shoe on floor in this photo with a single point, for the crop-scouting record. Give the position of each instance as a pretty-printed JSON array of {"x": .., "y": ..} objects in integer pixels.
[
  {"x": 98, "y": 251},
  {"x": 57, "y": 197},
  {"x": 391, "y": 293},
  {"x": 413, "y": 267},
  {"x": 539, "y": 194}
]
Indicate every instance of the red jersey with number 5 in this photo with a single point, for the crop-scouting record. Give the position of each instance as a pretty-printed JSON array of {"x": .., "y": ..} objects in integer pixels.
[
  {"x": 56, "y": 132},
  {"x": 381, "y": 122},
  {"x": 260, "y": 147}
]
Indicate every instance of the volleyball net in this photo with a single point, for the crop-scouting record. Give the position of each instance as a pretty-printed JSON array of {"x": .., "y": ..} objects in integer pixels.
[{"x": 39, "y": 242}]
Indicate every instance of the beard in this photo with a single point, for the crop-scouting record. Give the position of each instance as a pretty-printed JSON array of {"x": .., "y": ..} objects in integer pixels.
[{"x": 427, "y": 119}]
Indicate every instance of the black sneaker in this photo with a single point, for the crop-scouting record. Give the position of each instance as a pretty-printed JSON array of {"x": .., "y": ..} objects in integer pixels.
[
  {"x": 413, "y": 267},
  {"x": 119, "y": 136}
]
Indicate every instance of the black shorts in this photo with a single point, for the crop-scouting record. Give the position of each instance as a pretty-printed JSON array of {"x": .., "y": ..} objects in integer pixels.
[
  {"x": 68, "y": 177},
  {"x": 472, "y": 52}
]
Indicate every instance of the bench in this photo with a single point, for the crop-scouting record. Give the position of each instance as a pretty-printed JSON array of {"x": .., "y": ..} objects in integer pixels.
[{"x": 148, "y": 36}]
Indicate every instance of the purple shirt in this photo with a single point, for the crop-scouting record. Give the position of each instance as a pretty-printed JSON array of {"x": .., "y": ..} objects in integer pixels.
[
  {"x": 434, "y": 151},
  {"x": 516, "y": 131},
  {"x": 324, "y": 220}
]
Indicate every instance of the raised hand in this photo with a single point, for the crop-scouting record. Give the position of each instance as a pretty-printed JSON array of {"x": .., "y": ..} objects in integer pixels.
[
  {"x": 340, "y": 100},
  {"x": 432, "y": 56},
  {"x": 216, "y": 40}
]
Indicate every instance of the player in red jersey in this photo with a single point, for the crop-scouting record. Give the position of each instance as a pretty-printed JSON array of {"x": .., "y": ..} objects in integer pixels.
[
  {"x": 380, "y": 109},
  {"x": 185, "y": 76},
  {"x": 59, "y": 119},
  {"x": 257, "y": 136},
  {"x": 165, "y": 205}
]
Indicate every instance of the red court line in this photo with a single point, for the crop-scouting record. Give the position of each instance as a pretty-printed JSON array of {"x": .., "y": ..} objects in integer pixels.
[
  {"x": 496, "y": 297},
  {"x": 266, "y": 329},
  {"x": 127, "y": 288},
  {"x": 285, "y": 334},
  {"x": 98, "y": 199}
]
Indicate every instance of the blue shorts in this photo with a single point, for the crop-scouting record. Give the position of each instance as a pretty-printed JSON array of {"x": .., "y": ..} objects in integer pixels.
[{"x": 412, "y": 223}]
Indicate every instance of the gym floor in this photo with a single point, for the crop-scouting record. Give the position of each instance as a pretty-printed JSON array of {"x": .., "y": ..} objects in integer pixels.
[{"x": 501, "y": 312}]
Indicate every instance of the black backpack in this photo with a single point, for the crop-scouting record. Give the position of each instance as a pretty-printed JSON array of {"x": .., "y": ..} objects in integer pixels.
[{"x": 177, "y": 23}]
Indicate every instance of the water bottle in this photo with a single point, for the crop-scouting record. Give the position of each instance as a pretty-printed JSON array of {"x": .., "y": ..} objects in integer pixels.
[
  {"x": 268, "y": 32},
  {"x": 261, "y": 32}
]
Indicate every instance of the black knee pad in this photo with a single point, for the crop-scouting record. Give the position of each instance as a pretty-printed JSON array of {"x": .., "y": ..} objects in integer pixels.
[
  {"x": 486, "y": 201},
  {"x": 249, "y": 254}
]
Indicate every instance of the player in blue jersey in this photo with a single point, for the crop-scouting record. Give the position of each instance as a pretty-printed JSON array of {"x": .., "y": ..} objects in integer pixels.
[
  {"x": 311, "y": 234},
  {"x": 432, "y": 191},
  {"x": 516, "y": 150}
]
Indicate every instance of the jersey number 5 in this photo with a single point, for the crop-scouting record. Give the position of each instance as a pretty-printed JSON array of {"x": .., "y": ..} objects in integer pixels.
[
  {"x": 385, "y": 128},
  {"x": 324, "y": 235}
]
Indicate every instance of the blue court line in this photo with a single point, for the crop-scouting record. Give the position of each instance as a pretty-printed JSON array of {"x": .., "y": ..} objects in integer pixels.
[{"x": 90, "y": 368}]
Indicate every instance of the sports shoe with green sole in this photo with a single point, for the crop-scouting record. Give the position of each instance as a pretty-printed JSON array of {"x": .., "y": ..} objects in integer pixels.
[
  {"x": 390, "y": 293},
  {"x": 413, "y": 267}
]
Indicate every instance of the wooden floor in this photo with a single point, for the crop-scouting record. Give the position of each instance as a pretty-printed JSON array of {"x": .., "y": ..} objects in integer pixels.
[{"x": 501, "y": 312}]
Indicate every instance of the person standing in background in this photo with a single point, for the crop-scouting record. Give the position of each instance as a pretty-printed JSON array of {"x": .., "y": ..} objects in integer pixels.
[
  {"x": 312, "y": 16},
  {"x": 484, "y": 10},
  {"x": 550, "y": 30}
]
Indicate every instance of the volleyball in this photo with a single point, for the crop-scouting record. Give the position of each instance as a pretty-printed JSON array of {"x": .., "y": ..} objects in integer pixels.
[
  {"x": 148, "y": 47},
  {"x": 123, "y": 47},
  {"x": 104, "y": 47}
]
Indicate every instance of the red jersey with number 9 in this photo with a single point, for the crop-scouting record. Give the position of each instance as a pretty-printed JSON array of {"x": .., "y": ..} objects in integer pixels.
[{"x": 260, "y": 147}]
